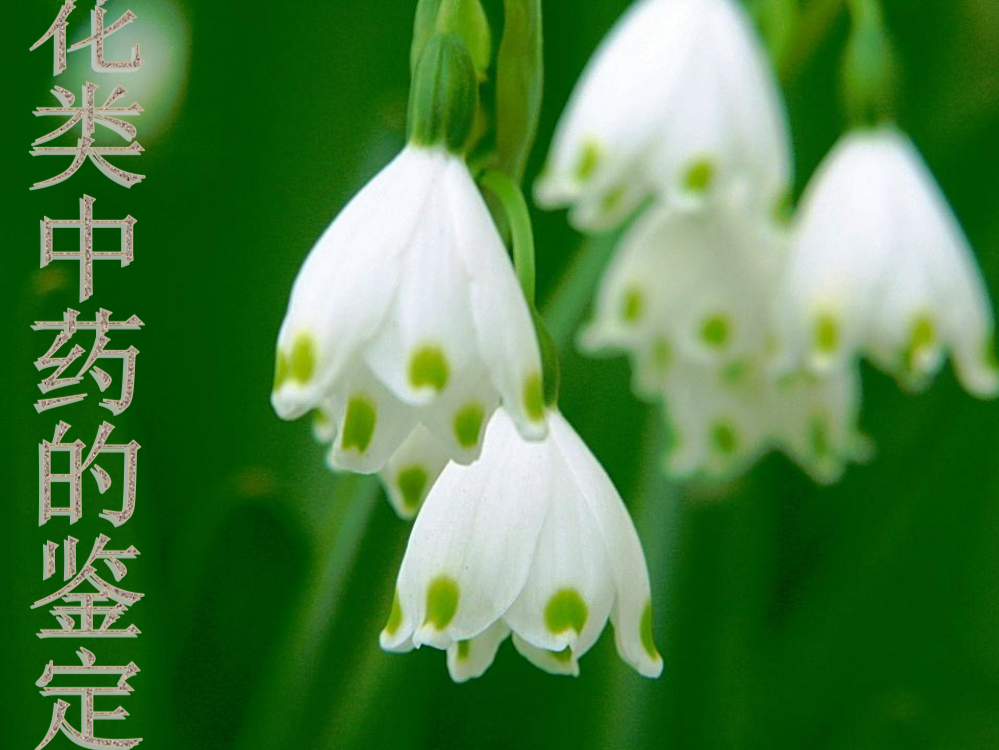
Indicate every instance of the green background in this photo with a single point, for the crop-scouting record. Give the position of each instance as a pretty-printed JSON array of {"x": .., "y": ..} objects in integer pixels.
[{"x": 860, "y": 616}]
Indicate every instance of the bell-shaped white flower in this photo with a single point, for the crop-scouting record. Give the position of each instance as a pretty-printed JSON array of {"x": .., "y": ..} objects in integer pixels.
[
  {"x": 722, "y": 421},
  {"x": 678, "y": 98},
  {"x": 407, "y": 312},
  {"x": 532, "y": 540},
  {"x": 691, "y": 285},
  {"x": 880, "y": 266}
]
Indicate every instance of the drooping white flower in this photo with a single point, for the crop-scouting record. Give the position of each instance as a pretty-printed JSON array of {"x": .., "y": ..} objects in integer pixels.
[
  {"x": 407, "y": 312},
  {"x": 722, "y": 421},
  {"x": 679, "y": 98},
  {"x": 532, "y": 540},
  {"x": 696, "y": 286},
  {"x": 880, "y": 267}
]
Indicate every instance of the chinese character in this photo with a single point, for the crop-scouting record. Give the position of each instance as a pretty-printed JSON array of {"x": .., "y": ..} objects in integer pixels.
[
  {"x": 67, "y": 327},
  {"x": 91, "y": 116},
  {"x": 85, "y": 737},
  {"x": 89, "y": 603},
  {"x": 86, "y": 224},
  {"x": 57, "y": 32},
  {"x": 75, "y": 476}
]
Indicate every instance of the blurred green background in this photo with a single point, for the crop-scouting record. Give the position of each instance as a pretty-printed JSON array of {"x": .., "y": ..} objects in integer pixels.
[{"x": 861, "y": 616}]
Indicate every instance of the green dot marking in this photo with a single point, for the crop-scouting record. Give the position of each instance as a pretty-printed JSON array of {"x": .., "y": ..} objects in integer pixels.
[
  {"x": 662, "y": 354},
  {"x": 428, "y": 368},
  {"x": 725, "y": 439},
  {"x": 562, "y": 657},
  {"x": 468, "y": 424},
  {"x": 715, "y": 330},
  {"x": 645, "y": 630},
  {"x": 303, "y": 358},
  {"x": 280, "y": 370},
  {"x": 819, "y": 436},
  {"x": 359, "y": 424},
  {"x": 566, "y": 610},
  {"x": 442, "y": 602},
  {"x": 534, "y": 401},
  {"x": 699, "y": 176},
  {"x": 632, "y": 305},
  {"x": 464, "y": 650},
  {"x": 589, "y": 160},
  {"x": 922, "y": 336},
  {"x": 612, "y": 199},
  {"x": 395, "y": 615},
  {"x": 826, "y": 333},
  {"x": 412, "y": 483}
]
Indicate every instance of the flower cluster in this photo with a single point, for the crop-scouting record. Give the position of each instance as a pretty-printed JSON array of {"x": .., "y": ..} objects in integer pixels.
[
  {"x": 410, "y": 339},
  {"x": 748, "y": 322}
]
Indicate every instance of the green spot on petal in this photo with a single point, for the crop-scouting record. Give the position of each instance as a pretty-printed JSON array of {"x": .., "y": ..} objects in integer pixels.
[
  {"x": 662, "y": 354},
  {"x": 989, "y": 353},
  {"x": 534, "y": 402},
  {"x": 562, "y": 657},
  {"x": 826, "y": 333},
  {"x": 784, "y": 208},
  {"x": 734, "y": 372},
  {"x": 699, "y": 176},
  {"x": 442, "y": 602},
  {"x": 632, "y": 305},
  {"x": 922, "y": 336},
  {"x": 428, "y": 368},
  {"x": 359, "y": 424},
  {"x": 302, "y": 363},
  {"x": 819, "y": 436},
  {"x": 589, "y": 160},
  {"x": 645, "y": 630},
  {"x": 464, "y": 650},
  {"x": 715, "y": 330},
  {"x": 566, "y": 610},
  {"x": 724, "y": 438},
  {"x": 395, "y": 615},
  {"x": 280, "y": 370},
  {"x": 412, "y": 483},
  {"x": 468, "y": 424},
  {"x": 611, "y": 200}
]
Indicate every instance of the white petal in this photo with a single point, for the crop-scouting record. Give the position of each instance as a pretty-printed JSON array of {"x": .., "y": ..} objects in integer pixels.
[
  {"x": 345, "y": 286},
  {"x": 473, "y": 542},
  {"x": 562, "y": 662},
  {"x": 412, "y": 471},
  {"x": 506, "y": 339},
  {"x": 570, "y": 590},
  {"x": 632, "y": 610},
  {"x": 457, "y": 420},
  {"x": 371, "y": 424},
  {"x": 428, "y": 335},
  {"x": 719, "y": 418},
  {"x": 469, "y": 659}
]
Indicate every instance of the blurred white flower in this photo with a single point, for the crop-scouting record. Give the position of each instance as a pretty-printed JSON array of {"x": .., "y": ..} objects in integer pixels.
[
  {"x": 679, "y": 99},
  {"x": 531, "y": 539},
  {"x": 408, "y": 312},
  {"x": 690, "y": 285},
  {"x": 879, "y": 266}
]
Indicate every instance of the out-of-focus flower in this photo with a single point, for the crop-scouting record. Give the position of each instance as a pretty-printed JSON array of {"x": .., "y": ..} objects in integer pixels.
[
  {"x": 407, "y": 311},
  {"x": 879, "y": 266},
  {"x": 531, "y": 539},
  {"x": 679, "y": 99}
]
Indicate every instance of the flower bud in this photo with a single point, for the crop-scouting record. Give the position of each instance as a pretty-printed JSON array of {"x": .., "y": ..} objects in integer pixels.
[{"x": 444, "y": 95}]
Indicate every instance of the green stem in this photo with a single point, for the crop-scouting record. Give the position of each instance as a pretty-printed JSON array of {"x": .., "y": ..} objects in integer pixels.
[
  {"x": 813, "y": 24},
  {"x": 519, "y": 218}
]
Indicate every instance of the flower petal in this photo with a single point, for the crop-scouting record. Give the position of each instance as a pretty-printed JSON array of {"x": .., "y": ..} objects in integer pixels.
[
  {"x": 553, "y": 662},
  {"x": 469, "y": 659},
  {"x": 412, "y": 471}
]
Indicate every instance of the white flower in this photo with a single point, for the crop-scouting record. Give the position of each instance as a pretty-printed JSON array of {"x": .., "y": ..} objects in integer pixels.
[
  {"x": 678, "y": 98},
  {"x": 880, "y": 266},
  {"x": 407, "y": 312},
  {"x": 531, "y": 539},
  {"x": 691, "y": 285},
  {"x": 722, "y": 421}
]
